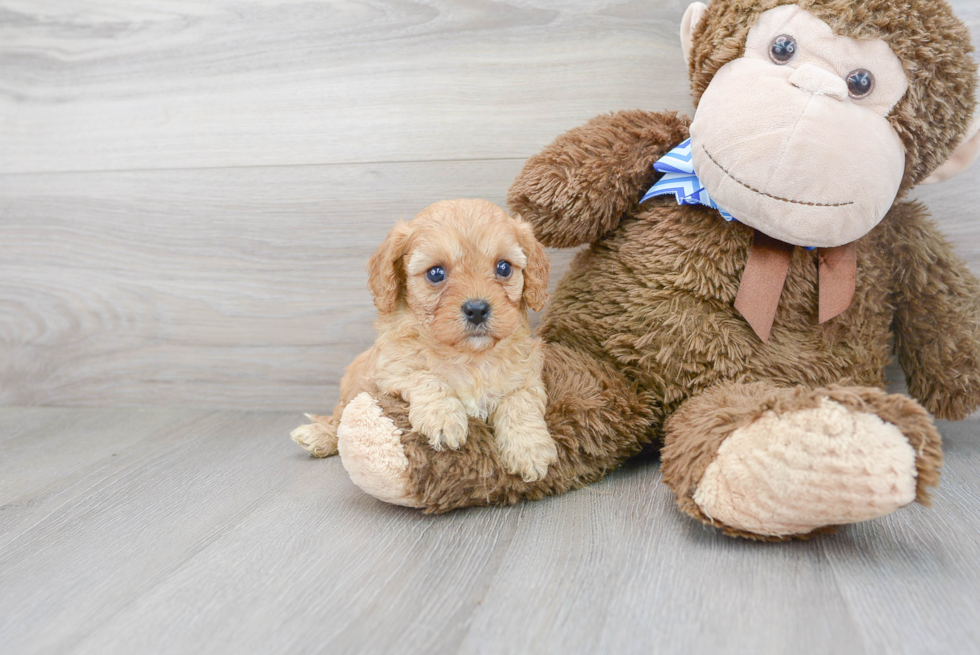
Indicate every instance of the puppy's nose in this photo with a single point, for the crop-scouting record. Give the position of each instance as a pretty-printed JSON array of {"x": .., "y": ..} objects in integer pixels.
[{"x": 476, "y": 311}]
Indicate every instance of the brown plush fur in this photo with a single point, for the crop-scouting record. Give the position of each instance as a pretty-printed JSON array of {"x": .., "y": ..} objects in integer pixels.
[
  {"x": 576, "y": 177},
  {"x": 937, "y": 318},
  {"x": 642, "y": 327},
  {"x": 648, "y": 308}
]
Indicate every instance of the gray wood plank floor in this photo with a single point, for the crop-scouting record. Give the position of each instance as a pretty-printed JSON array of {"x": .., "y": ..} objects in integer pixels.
[
  {"x": 188, "y": 194},
  {"x": 189, "y": 531}
]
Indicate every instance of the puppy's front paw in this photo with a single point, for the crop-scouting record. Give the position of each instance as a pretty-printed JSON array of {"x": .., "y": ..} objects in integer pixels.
[
  {"x": 443, "y": 422},
  {"x": 529, "y": 454}
]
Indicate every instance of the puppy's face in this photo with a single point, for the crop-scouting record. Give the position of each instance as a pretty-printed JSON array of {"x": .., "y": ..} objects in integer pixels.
[{"x": 466, "y": 270}]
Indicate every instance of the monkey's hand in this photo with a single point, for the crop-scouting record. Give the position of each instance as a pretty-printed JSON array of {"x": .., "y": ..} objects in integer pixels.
[
  {"x": 580, "y": 186},
  {"x": 937, "y": 320}
]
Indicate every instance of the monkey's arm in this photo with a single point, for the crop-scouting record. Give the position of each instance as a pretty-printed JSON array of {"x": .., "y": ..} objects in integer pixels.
[
  {"x": 580, "y": 186},
  {"x": 937, "y": 319}
]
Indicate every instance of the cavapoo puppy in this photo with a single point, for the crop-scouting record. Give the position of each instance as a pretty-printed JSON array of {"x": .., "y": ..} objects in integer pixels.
[{"x": 452, "y": 288}]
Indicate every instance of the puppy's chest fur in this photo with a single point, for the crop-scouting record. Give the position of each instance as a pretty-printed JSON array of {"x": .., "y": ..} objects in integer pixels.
[
  {"x": 480, "y": 386},
  {"x": 479, "y": 381}
]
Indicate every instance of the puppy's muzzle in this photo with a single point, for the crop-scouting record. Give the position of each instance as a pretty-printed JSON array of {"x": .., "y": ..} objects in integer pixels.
[{"x": 476, "y": 312}]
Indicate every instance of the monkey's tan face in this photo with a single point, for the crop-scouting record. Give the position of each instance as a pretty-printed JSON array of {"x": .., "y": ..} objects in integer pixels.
[{"x": 793, "y": 138}]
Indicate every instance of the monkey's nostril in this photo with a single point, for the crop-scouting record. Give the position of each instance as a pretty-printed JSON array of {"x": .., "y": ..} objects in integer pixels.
[{"x": 476, "y": 311}]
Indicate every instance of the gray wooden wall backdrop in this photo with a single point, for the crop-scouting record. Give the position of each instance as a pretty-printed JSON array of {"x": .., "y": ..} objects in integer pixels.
[{"x": 189, "y": 190}]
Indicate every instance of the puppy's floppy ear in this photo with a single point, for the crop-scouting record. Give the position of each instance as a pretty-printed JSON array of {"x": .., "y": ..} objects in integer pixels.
[
  {"x": 385, "y": 276},
  {"x": 537, "y": 268}
]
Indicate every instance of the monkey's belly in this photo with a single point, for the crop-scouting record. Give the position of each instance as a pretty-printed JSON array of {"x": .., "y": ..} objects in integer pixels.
[{"x": 661, "y": 306}]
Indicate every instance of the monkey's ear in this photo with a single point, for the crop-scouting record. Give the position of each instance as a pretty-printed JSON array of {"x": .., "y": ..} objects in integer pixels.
[
  {"x": 693, "y": 16},
  {"x": 384, "y": 276},
  {"x": 961, "y": 158}
]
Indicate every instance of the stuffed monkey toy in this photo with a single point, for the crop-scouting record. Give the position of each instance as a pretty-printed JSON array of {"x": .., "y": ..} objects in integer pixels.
[{"x": 746, "y": 278}]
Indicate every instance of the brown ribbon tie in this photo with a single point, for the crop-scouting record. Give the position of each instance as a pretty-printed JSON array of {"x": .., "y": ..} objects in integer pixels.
[{"x": 765, "y": 274}]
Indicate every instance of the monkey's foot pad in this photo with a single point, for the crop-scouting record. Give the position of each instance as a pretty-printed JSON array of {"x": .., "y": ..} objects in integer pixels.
[{"x": 796, "y": 472}]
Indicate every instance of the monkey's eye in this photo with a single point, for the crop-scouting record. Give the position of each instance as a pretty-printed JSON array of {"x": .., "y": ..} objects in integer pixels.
[
  {"x": 860, "y": 83},
  {"x": 436, "y": 274},
  {"x": 504, "y": 269},
  {"x": 783, "y": 49}
]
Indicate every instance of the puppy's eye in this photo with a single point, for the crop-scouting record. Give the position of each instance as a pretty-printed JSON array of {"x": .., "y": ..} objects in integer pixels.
[
  {"x": 783, "y": 49},
  {"x": 436, "y": 274},
  {"x": 504, "y": 269}
]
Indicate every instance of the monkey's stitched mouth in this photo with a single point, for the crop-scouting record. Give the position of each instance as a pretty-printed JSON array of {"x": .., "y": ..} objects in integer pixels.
[{"x": 769, "y": 195}]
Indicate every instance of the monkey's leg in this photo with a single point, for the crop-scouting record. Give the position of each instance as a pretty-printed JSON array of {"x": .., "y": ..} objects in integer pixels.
[
  {"x": 594, "y": 415},
  {"x": 771, "y": 463}
]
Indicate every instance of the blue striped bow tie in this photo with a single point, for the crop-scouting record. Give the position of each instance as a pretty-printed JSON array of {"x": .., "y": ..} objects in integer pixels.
[{"x": 680, "y": 180}]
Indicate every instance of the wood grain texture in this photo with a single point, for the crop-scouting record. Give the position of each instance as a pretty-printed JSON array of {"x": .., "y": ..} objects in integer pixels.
[
  {"x": 226, "y": 287},
  {"x": 107, "y": 85},
  {"x": 111, "y": 84},
  {"x": 189, "y": 191},
  {"x": 212, "y": 532},
  {"x": 211, "y": 288}
]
